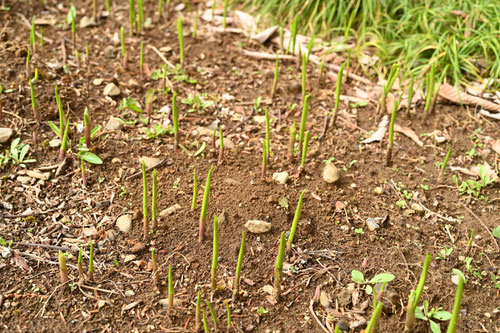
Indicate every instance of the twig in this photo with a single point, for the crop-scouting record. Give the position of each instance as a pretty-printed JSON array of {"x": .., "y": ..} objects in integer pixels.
[
  {"x": 267, "y": 56},
  {"x": 28, "y": 24},
  {"x": 148, "y": 169},
  {"x": 42, "y": 310},
  {"x": 99, "y": 289},
  {"x": 311, "y": 309},
  {"x": 161, "y": 56},
  {"x": 54, "y": 247},
  {"x": 9, "y": 216},
  {"x": 449, "y": 219},
  {"x": 484, "y": 225}
]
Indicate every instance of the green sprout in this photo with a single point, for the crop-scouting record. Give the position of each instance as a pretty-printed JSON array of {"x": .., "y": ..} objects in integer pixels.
[
  {"x": 393, "y": 74},
  {"x": 338, "y": 90},
  {"x": 204, "y": 205},
  {"x": 321, "y": 70},
  {"x": 452, "y": 326},
  {"x": 87, "y": 54},
  {"x": 33, "y": 35},
  {"x": 94, "y": 9},
  {"x": 108, "y": 6},
  {"x": 175, "y": 118},
  {"x": 275, "y": 80},
  {"x": 410, "y": 93},
  {"x": 145, "y": 201},
  {"x": 215, "y": 254},
  {"x": 149, "y": 102},
  {"x": 141, "y": 58},
  {"x": 304, "y": 150},
  {"x": 303, "y": 120},
  {"x": 63, "y": 269},
  {"x": 264, "y": 160},
  {"x": 221, "y": 147},
  {"x": 415, "y": 295},
  {"x": 64, "y": 144},
  {"x": 213, "y": 138},
  {"x": 293, "y": 36},
  {"x": 84, "y": 177},
  {"x": 160, "y": 8},
  {"x": 291, "y": 142},
  {"x": 156, "y": 275},
  {"x": 195, "y": 24},
  {"x": 131, "y": 16},
  {"x": 430, "y": 82},
  {"x": 205, "y": 323},
  {"x": 42, "y": 42},
  {"x": 239, "y": 263},
  {"x": 268, "y": 133},
  {"x": 86, "y": 126},
  {"x": 181, "y": 41},
  {"x": 278, "y": 268},
  {"x": 124, "y": 50},
  {"x": 90, "y": 273},
  {"x": 28, "y": 67},
  {"x": 140, "y": 4},
  {"x": 170, "y": 291},
  {"x": 228, "y": 310},
  {"x": 79, "y": 263},
  {"x": 224, "y": 14},
  {"x": 310, "y": 46},
  {"x": 214, "y": 316},
  {"x": 391, "y": 132},
  {"x": 375, "y": 319},
  {"x": 33, "y": 103},
  {"x": 304, "y": 75},
  {"x": 62, "y": 119},
  {"x": 443, "y": 166},
  {"x": 155, "y": 201},
  {"x": 295, "y": 223},
  {"x": 73, "y": 32},
  {"x": 195, "y": 190},
  {"x": 197, "y": 324}
]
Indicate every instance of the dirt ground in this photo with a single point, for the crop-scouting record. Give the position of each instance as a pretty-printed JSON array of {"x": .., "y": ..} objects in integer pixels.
[{"x": 333, "y": 236}]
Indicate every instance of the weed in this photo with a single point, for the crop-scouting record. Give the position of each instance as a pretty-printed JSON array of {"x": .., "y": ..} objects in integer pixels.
[
  {"x": 170, "y": 291},
  {"x": 303, "y": 120},
  {"x": 452, "y": 326},
  {"x": 304, "y": 150},
  {"x": 16, "y": 154},
  {"x": 214, "y": 316},
  {"x": 204, "y": 206},
  {"x": 338, "y": 90},
  {"x": 278, "y": 268},
  {"x": 358, "y": 278},
  {"x": 472, "y": 186},
  {"x": 145, "y": 202},
  {"x": 90, "y": 272},
  {"x": 181, "y": 41},
  {"x": 195, "y": 191},
  {"x": 239, "y": 264},
  {"x": 295, "y": 223},
  {"x": 291, "y": 142},
  {"x": 444, "y": 253}
]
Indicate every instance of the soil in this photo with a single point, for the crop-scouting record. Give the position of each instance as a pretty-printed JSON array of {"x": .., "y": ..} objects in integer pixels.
[{"x": 332, "y": 238}]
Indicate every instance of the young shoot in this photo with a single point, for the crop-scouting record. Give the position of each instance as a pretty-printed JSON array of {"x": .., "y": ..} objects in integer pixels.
[
  {"x": 108, "y": 6},
  {"x": 124, "y": 50},
  {"x": 214, "y": 316},
  {"x": 141, "y": 59},
  {"x": 150, "y": 94},
  {"x": 90, "y": 273},
  {"x": 160, "y": 8},
  {"x": 197, "y": 322},
  {"x": 415, "y": 296},
  {"x": 291, "y": 142},
  {"x": 80, "y": 265},
  {"x": 33, "y": 35},
  {"x": 278, "y": 268},
  {"x": 393, "y": 74},
  {"x": 145, "y": 201},
  {"x": 391, "y": 132},
  {"x": 443, "y": 166},
  {"x": 140, "y": 4},
  {"x": 430, "y": 82},
  {"x": 304, "y": 151},
  {"x": 156, "y": 275},
  {"x": 195, "y": 191},
  {"x": 215, "y": 254},
  {"x": 303, "y": 120},
  {"x": 264, "y": 160},
  {"x": 181, "y": 41},
  {"x": 268, "y": 133},
  {"x": 64, "y": 144},
  {"x": 452, "y": 326},
  {"x": 239, "y": 263},
  {"x": 275, "y": 80},
  {"x": 154, "y": 204},
  {"x": 205, "y": 323},
  {"x": 34, "y": 105},
  {"x": 338, "y": 90},
  {"x": 170, "y": 291},
  {"x": 294, "y": 35},
  {"x": 304, "y": 75},
  {"x": 410, "y": 94},
  {"x": 213, "y": 139},
  {"x": 86, "y": 126},
  {"x": 221, "y": 147},
  {"x": 375, "y": 319},
  {"x": 224, "y": 14},
  {"x": 295, "y": 223},
  {"x": 63, "y": 269},
  {"x": 175, "y": 118},
  {"x": 228, "y": 310},
  {"x": 195, "y": 24},
  {"x": 84, "y": 176},
  {"x": 321, "y": 70},
  {"x": 131, "y": 16},
  {"x": 204, "y": 206}
]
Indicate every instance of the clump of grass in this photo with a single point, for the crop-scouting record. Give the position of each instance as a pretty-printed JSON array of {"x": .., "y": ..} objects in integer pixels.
[
  {"x": 291, "y": 142},
  {"x": 64, "y": 144},
  {"x": 195, "y": 190},
  {"x": 303, "y": 120},
  {"x": 415, "y": 296},
  {"x": 236, "y": 284},
  {"x": 221, "y": 147},
  {"x": 452, "y": 326},
  {"x": 275, "y": 80},
  {"x": 295, "y": 223},
  {"x": 175, "y": 118},
  {"x": 278, "y": 268},
  {"x": 156, "y": 275},
  {"x": 382, "y": 103},
  {"x": 443, "y": 166},
  {"x": 228, "y": 310},
  {"x": 204, "y": 206},
  {"x": 170, "y": 291},
  {"x": 86, "y": 126},
  {"x": 145, "y": 202},
  {"x": 63, "y": 269},
  {"x": 149, "y": 102},
  {"x": 141, "y": 59},
  {"x": 304, "y": 151},
  {"x": 154, "y": 204},
  {"x": 197, "y": 322},
  {"x": 90, "y": 273},
  {"x": 124, "y": 49},
  {"x": 213, "y": 314},
  {"x": 34, "y": 105},
  {"x": 215, "y": 254},
  {"x": 181, "y": 41},
  {"x": 338, "y": 90},
  {"x": 264, "y": 160},
  {"x": 391, "y": 132}
]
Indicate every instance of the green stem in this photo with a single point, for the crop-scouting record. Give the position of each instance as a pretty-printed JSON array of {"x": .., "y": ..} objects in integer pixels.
[
  {"x": 170, "y": 291},
  {"x": 181, "y": 41},
  {"x": 198, "y": 312},
  {"x": 295, "y": 223},
  {"x": 228, "y": 310},
  {"x": 214, "y": 316},
  {"x": 145, "y": 201},
  {"x": 338, "y": 90},
  {"x": 215, "y": 254},
  {"x": 155, "y": 201},
  {"x": 278, "y": 268},
  {"x": 204, "y": 206},
  {"x": 452, "y": 326},
  {"x": 91, "y": 261},
  {"x": 195, "y": 190},
  {"x": 303, "y": 120},
  {"x": 304, "y": 150},
  {"x": 268, "y": 133},
  {"x": 238, "y": 267},
  {"x": 374, "y": 320},
  {"x": 423, "y": 278},
  {"x": 175, "y": 118}
]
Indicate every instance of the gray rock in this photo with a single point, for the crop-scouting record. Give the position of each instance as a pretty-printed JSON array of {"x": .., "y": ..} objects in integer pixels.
[
  {"x": 390, "y": 299},
  {"x": 87, "y": 22},
  {"x": 280, "y": 177},
  {"x": 149, "y": 161},
  {"x": 164, "y": 302},
  {"x": 344, "y": 297},
  {"x": 129, "y": 293},
  {"x": 416, "y": 207},
  {"x": 114, "y": 124},
  {"x": 23, "y": 179},
  {"x": 378, "y": 190},
  {"x": 111, "y": 90},
  {"x": 203, "y": 131},
  {"x": 55, "y": 143},
  {"x": 330, "y": 173},
  {"x": 5, "y": 134},
  {"x": 124, "y": 223},
  {"x": 372, "y": 224},
  {"x": 258, "y": 226},
  {"x": 228, "y": 144}
]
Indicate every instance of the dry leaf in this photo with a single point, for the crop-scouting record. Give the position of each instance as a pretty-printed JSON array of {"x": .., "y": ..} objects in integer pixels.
[
  {"x": 451, "y": 93},
  {"x": 496, "y": 146},
  {"x": 339, "y": 206},
  {"x": 474, "y": 171},
  {"x": 390, "y": 101},
  {"x": 378, "y": 135},
  {"x": 409, "y": 133},
  {"x": 19, "y": 261}
]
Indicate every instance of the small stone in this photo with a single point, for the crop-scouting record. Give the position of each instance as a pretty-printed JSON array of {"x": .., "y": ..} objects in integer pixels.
[
  {"x": 343, "y": 326},
  {"x": 129, "y": 293},
  {"x": 344, "y": 297},
  {"x": 231, "y": 181},
  {"x": 5, "y": 134},
  {"x": 228, "y": 144},
  {"x": 109, "y": 52},
  {"x": 97, "y": 82},
  {"x": 164, "y": 302},
  {"x": 149, "y": 161},
  {"x": 372, "y": 224},
  {"x": 324, "y": 299},
  {"x": 268, "y": 289},
  {"x": 138, "y": 247},
  {"x": 280, "y": 177},
  {"x": 203, "y": 131},
  {"x": 129, "y": 258},
  {"x": 330, "y": 173},
  {"x": 114, "y": 124},
  {"x": 111, "y": 234},
  {"x": 23, "y": 179},
  {"x": 390, "y": 300},
  {"x": 170, "y": 210},
  {"x": 111, "y": 90},
  {"x": 55, "y": 143},
  {"x": 259, "y": 119},
  {"x": 455, "y": 279},
  {"x": 222, "y": 217},
  {"x": 416, "y": 207},
  {"x": 378, "y": 190},
  {"x": 36, "y": 174},
  {"x": 87, "y": 22},
  {"x": 258, "y": 226},
  {"x": 116, "y": 39},
  {"x": 124, "y": 223},
  {"x": 132, "y": 83},
  {"x": 116, "y": 160},
  {"x": 408, "y": 212},
  {"x": 101, "y": 303}
]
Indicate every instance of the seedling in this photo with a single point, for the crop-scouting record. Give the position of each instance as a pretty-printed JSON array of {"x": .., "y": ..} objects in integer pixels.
[
  {"x": 145, "y": 201},
  {"x": 170, "y": 291},
  {"x": 264, "y": 160},
  {"x": 221, "y": 147},
  {"x": 197, "y": 325},
  {"x": 204, "y": 206},
  {"x": 140, "y": 4},
  {"x": 64, "y": 144},
  {"x": 304, "y": 151},
  {"x": 410, "y": 94},
  {"x": 86, "y": 126},
  {"x": 33, "y": 104},
  {"x": 291, "y": 142},
  {"x": 430, "y": 314},
  {"x": 338, "y": 90},
  {"x": 430, "y": 81},
  {"x": 321, "y": 70},
  {"x": 310, "y": 45},
  {"x": 73, "y": 32},
  {"x": 278, "y": 268},
  {"x": 195, "y": 190},
  {"x": 415, "y": 296},
  {"x": 79, "y": 263},
  {"x": 33, "y": 35},
  {"x": 224, "y": 14},
  {"x": 304, "y": 75},
  {"x": 443, "y": 166},
  {"x": 236, "y": 285},
  {"x": 195, "y": 24},
  {"x": 205, "y": 323},
  {"x": 393, "y": 74},
  {"x": 358, "y": 278},
  {"x": 303, "y": 120},
  {"x": 175, "y": 118},
  {"x": 268, "y": 133},
  {"x": 391, "y": 132},
  {"x": 214, "y": 316},
  {"x": 94, "y": 9},
  {"x": 293, "y": 35},
  {"x": 62, "y": 119},
  {"x": 141, "y": 57},
  {"x": 28, "y": 67},
  {"x": 295, "y": 223},
  {"x": 181, "y": 41},
  {"x": 215, "y": 254},
  {"x": 87, "y": 55},
  {"x": 131, "y": 16},
  {"x": 213, "y": 138},
  {"x": 472, "y": 186},
  {"x": 375, "y": 319},
  {"x": 124, "y": 50},
  {"x": 156, "y": 275},
  {"x": 17, "y": 153},
  {"x": 275, "y": 80},
  {"x": 452, "y": 326},
  {"x": 155, "y": 201},
  {"x": 228, "y": 310},
  {"x": 149, "y": 102},
  {"x": 108, "y": 6},
  {"x": 90, "y": 273},
  {"x": 63, "y": 269},
  {"x": 84, "y": 176}
]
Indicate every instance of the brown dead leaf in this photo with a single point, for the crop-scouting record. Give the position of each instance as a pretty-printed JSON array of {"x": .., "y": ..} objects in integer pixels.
[
  {"x": 378, "y": 135},
  {"x": 496, "y": 146},
  {"x": 339, "y": 206},
  {"x": 451, "y": 93},
  {"x": 409, "y": 133},
  {"x": 19, "y": 261},
  {"x": 474, "y": 171},
  {"x": 390, "y": 102}
]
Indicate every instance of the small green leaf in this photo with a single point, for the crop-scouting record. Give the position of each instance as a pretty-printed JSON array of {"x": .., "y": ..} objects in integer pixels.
[
  {"x": 262, "y": 311},
  {"x": 496, "y": 232},
  {"x": 71, "y": 15},
  {"x": 459, "y": 273},
  {"x": 94, "y": 131},
  {"x": 202, "y": 148},
  {"x": 384, "y": 277},
  {"x": 442, "y": 315},
  {"x": 419, "y": 314},
  {"x": 435, "y": 328},
  {"x": 90, "y": 157},
  {"x": 56, "y": 129},
  {"x": 357, "y": 276},
  {"x": 283, "y": 202},
  {"x": 369, "y": 289},
  {"x": 2, "y": 242}
]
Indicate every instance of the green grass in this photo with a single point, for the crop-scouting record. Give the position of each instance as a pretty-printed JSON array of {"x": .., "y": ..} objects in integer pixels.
[{"x": 414, "y": 33}]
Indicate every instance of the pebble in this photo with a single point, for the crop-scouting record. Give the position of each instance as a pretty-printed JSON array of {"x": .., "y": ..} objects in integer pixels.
[
  {"x": 101, "y": 303},
  {"x": 280, "y": 177},
  {"x": 111, "y": 90},
  {"x": 268, "y": 289},
  {"x": 204, "y": 131},
  {"x": 228, "y": 144},
  {"x": 149, "y": 161},
  {"x": 344, "y": 297},
  {"x": 5, "y": 134},
  {"x": 23, "y": 179},
  {"x": 124, "y": 223},
  {"x": 138, "y": 247},
  {"x": 87, "y": 22},
  {"x": 259, "y": 119},
  {"x": 111, "y": 234},
  {"x": 416, "y": 207},
  {"x": 129, "y": 258},
  {"x": 164, "y": 302},
  {"x": 170, "y": 210},
  {"x": 390, "y": 300},
  {"x": 371, "y": 224},
  {"x": 55, "y": 143},
  {"x": 330, "y": 173},
  {"x": 97, "y": 82},
  {"x": 258, "y": 226},
  {"x": 114, "y": 124},
  {"x": 38, "y": 175},
  {"x": 129, "y": 293},
  {"x": 324, "y": 299},
  {"x": 378, "y": 190}
]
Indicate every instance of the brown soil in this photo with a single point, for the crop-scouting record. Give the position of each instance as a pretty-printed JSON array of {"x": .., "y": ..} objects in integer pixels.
[{"x": 332, "y": 238}]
